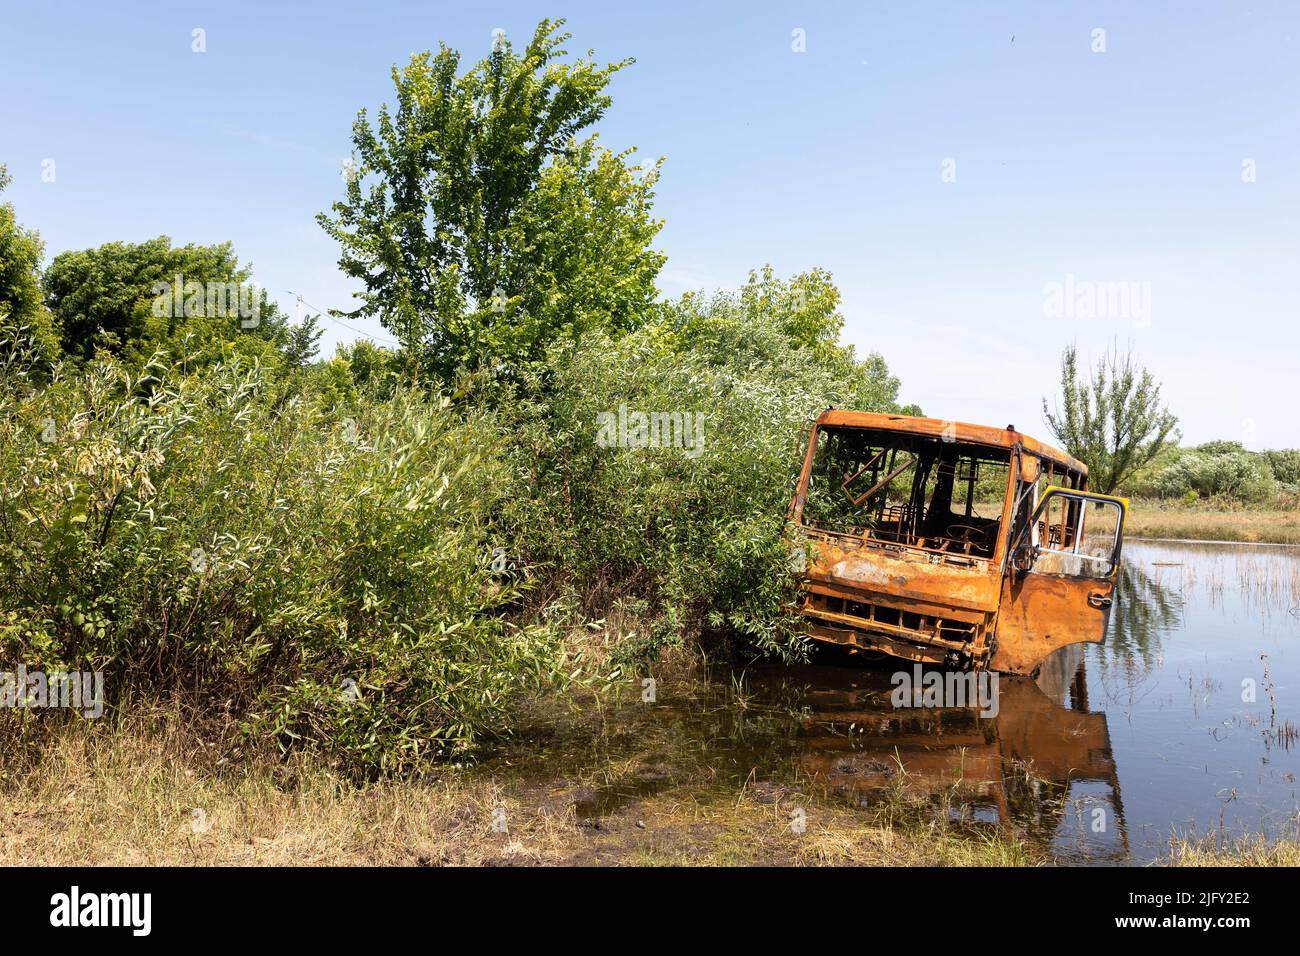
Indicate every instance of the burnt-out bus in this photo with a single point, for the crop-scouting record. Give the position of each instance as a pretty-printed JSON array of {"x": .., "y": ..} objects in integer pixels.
[{"x": 960, "y": 545}]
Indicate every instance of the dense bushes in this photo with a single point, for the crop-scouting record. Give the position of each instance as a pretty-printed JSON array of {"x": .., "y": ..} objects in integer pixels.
[
  {"x": 310, "y": 550},
  {"x": 1224, "y": 470},
  {"x": 688, "y": 522},
  {"x": 1285, "y": 464},
  {"x": 1233, "y": 475},
  {"x": 325, "y": 575}
]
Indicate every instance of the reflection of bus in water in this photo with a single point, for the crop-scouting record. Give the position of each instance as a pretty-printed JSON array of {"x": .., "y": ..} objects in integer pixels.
[
  {"x": 1042, "y": 765},
  {"x": 952, "y": 544}
]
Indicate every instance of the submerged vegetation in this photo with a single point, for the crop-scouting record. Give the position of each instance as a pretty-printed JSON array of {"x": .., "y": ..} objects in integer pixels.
[{"x": 152, "y": 793}]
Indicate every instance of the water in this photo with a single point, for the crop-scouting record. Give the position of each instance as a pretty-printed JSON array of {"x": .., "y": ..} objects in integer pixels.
[
  {"x": 1182, "y": 721},
  {"x": 1200, "y": 630}
]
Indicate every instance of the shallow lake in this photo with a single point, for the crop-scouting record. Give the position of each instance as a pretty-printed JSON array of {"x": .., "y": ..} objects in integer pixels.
[{"x": 1184, "y": 720}]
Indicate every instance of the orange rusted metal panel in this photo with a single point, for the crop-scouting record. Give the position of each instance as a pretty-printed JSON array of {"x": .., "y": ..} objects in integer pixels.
[
  {"x": 957, "y": 431},
  {"x": 904, "y": 529},
  {"x": 1044, "y": 612}
]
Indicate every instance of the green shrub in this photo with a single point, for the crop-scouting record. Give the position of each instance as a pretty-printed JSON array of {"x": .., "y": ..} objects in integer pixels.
[
  {"x": 222, "y": 534},
  {"x": 695, "y": 531},
  {"x": 1285, "y": 463},
  {"x": 1220, "y": 472}
]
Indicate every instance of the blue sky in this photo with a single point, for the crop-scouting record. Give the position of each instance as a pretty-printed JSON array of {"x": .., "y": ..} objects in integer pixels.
[{"x": 1071, "y": 165}]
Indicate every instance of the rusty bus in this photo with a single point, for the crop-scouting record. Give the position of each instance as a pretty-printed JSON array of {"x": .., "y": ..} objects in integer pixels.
[{"x": 940, "y": 542}]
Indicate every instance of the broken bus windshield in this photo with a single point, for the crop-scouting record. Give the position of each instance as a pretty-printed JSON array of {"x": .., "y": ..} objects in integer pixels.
[{"x": 907, "y": 489}]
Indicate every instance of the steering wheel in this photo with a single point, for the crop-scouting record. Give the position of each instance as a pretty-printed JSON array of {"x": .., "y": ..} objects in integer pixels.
[{"x": 966, "y": 535}]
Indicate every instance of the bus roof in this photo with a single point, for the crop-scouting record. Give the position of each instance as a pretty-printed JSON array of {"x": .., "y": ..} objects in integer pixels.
[{"x": 957, "y": 431}]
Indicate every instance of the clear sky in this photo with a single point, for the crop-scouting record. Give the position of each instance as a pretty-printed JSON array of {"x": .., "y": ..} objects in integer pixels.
[{"x": 971, "y": 173}]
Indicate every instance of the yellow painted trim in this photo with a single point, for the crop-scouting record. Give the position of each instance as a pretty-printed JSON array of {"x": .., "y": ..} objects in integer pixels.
[{"x": 1089, "y": 494}]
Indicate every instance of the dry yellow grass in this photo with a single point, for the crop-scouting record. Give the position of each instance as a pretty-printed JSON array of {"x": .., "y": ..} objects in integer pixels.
[
  {"x": 122, "y": 797},
  {"x": 129, "y": 799},
  {"x": 1156, "y": 518},
  {"x": 1151, "y": 519},
  {"x": 1240, "y": 851},
  {"x": 125, "y": 797}
]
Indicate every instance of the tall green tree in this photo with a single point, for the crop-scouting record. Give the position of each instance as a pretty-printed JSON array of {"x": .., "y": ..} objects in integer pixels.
[
  {"x": 134, "y": 298},
  {"x": 20, "y": 290},
  {"x": 1112, "y": 421},
  {"x": 482, "y": 217}
]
